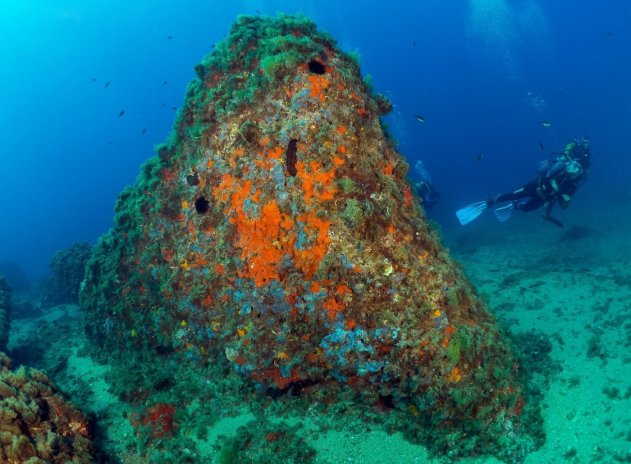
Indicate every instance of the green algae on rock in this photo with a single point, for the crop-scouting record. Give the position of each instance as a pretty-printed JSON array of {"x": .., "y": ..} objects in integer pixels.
[{"x": 275, "y": 234}]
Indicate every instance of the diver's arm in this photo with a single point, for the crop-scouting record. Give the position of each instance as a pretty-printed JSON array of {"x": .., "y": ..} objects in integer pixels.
[
  {"x": 565, "y": 188},
  {"x": 561, "y": 190},
  {"x": 564, "y": 200},
  {"x": 546, "y": 214},
  {"x": 557, "y": 168}
]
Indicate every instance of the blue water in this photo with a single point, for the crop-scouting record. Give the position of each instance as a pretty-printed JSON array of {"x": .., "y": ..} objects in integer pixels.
[{"x": 483, "y": 73}]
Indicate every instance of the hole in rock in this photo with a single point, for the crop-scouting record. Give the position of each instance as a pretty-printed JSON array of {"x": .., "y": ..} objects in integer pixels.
[
  {"x": 291, "y": 158},
  {"x": 316, "y": 67},
  {"x": 201, "y": 205}
]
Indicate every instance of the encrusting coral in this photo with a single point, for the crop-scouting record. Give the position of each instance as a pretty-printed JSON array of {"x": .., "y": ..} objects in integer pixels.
[
  {"x": 37, "y": 426},
  {"x": 275, "y": 233}
]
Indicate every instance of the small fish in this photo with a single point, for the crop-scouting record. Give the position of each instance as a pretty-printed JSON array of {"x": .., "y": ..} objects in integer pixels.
[
  {"x": 610, "y": 34},
  {"x": 174, "y": 108},
  {"x": 107, "y": 84},
  {"x": 546, "y": 123},
  {"x": 144, "y": 131},
  {"x": 121, "y": 114},
  {"x": 165, "y": 82},
  {"x": 541, "y": 147},
  {"x": 93, "y": 79},
  {"x": 169, "y": 37},
  {"x": 480, "y": 157},
  {"x": 414, "y": 44},
  {"x": 419, "y": 118}
]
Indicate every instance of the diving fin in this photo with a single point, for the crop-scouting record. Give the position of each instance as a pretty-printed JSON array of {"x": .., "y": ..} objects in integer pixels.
[
  {"x": 554, "y": 221},
  {"x": 503, "y": 213},
  {"x": 469, "y": 213}
]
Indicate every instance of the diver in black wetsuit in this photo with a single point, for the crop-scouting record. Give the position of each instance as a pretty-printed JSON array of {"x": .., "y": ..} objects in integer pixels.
[
  {"x": 558, "y": 180},
  {"x": 428, "y": 194},
  {"x": 424, "y": 187}
]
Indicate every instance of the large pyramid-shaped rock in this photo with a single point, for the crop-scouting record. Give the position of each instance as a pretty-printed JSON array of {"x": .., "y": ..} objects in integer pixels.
[{"x": 275, "y": 232}]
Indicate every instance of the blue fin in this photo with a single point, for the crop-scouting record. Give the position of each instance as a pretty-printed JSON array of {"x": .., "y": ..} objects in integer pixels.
[
  {"x": 503, "y": 213},
  {"x": 469, "y": 213}
]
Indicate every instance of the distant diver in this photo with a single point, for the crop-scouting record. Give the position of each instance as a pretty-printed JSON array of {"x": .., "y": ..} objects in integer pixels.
[
  {"x": 558, "y": 180},
  {"x": 427, "y": 193},
  {"x": 424, "y": 187}
]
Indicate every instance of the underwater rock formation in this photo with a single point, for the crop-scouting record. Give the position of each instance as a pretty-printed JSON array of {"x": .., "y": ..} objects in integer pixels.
[
  {"x": 275, "y": 233},
  {"x": 5, "y": 312},
  {"x": 68, "y": 270},
  {"x": 37, "y": 425}
]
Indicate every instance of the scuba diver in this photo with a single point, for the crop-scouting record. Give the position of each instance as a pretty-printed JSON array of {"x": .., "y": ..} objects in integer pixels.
[
  {"x": 424, "y": 187},
  {"x": 427, "y": 193},
  {"x": 558, "y": 180}
]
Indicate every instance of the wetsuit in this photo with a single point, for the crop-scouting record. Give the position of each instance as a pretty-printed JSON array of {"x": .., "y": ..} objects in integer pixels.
[
  {"x": 555, "y": 184},
  {"x": 529, "y": 194},
  {"x": 427, "y": 193}
]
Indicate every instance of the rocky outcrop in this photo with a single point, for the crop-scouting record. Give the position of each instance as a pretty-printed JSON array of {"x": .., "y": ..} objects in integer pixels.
[
  {"x": 275, "y": 233},
  {"x": 67, "y": 271}
]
